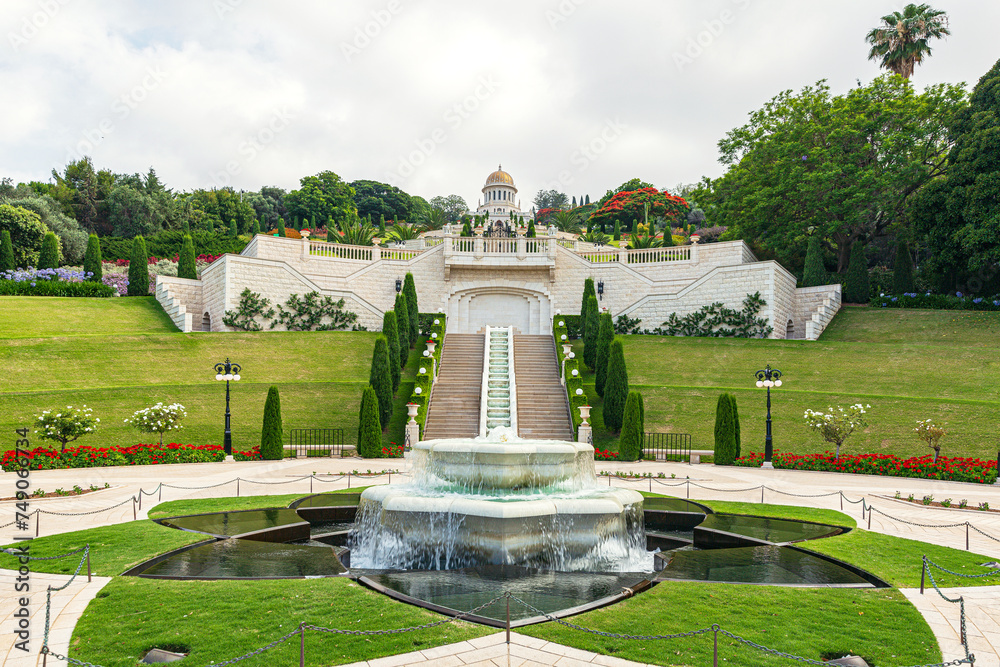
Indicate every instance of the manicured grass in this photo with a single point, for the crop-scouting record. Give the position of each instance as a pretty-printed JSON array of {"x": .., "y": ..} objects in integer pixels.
[
  {"x": 815, "y": 514},
  {"x": 38, "y": 317},
  {"x": 221, "y": 620},
  {"x": 879, "y": 625},
  {"x": 892, "y": 360},
  {"x": 201, "y": 505}
]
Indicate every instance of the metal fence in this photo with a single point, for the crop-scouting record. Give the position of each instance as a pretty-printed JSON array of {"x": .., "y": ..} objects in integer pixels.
[
  {"x": 316, "y": 441},
  {"x": 667, "y": 446}
]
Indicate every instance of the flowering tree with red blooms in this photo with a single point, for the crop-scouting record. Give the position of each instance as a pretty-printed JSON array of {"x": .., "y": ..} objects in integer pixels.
[
  {"x": 631, "y": 205},
  {"x": 543, "y": 214}
]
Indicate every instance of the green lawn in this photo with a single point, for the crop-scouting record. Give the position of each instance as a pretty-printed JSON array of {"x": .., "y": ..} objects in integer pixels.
[
  {"x": 907, "y": 365},
  {"x": 120, "y": 355}
]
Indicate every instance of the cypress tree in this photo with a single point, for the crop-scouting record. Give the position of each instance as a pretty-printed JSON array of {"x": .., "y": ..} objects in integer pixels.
[
  {"x": 369, "y": 432},
  {"x": 185, "y": 266},
  {"x": 255, "y": 227},
  {"x": 588, "y": 201},
  {"x": 815, "y": 273},
  {"x": 138, "y": 269},
  {"x": 381, "y": 225},
  {"x": 402, "y": 311},
  {"x": 187, "y": 227},
  {"x": 466, "y": 229},
  {"x": 618, "y": 231},
  {"x": 210, "y": 225},
  {"x": 635, "y": 226},
  {"x": 531, "y": 230},
  {"x": 381, "y": 380},
  {"x": 736, "y": 425},
  {"x": 725, "y": 431},
  {"x": 281, "y": 227},
  {"x": 588, "y": 290},
  {"x": 49, "y": 257},
  {"x": 668, "y": 237},
  {"x": 92, "y": 260},
  {"x": 391, "y": 333},
  {"x": 590, "y": 225},
  {"x": 858, "y": 289},
  {"x": 232, "y": 228},
  {"x": 591, "y": 314},
  {"x": 630, "y": 442},
  {"x": 6, "y": 252},
  {"x": 410, "y": 290},
  {"x": 642, "y": 415},
  {"x": 605, "y": 334},
  {"x": 272, "y": 435},
  {"x": 902, "y": 269},
  {"x": 615, "y": 387}
]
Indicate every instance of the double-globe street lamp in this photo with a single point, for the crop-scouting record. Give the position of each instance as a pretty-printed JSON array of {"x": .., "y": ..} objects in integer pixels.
[
  {"x": 227, "y": 372},
  {"x": 769, "y": 377}
]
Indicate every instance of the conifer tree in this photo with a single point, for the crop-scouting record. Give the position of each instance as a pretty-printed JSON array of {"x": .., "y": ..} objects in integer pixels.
[
  {"x": 902, "y": 269},
  {"x": 381, "y": 226},
  {"x": 605, "y": 334},
  {"x": 232, "y": 228},
  {"x": 92, "y": 260},
  {"x": 618, "y": 231},
  {"x": 668, "y": 236},
  {"x": 588, "y": 290},
  {"x": 615, "y": 387},
  {"x": 186, "y": 267},
  {"x": 467, "y": 229},
  {"x": 592, "y": 315},
  {"x": 630, "y": 441},
  {"x": 410, "y": 290},
  {"x": 272, "y": 434},
  {"x": 6, "y": 252},
  {"x": 381, "y": 380},
  {"x": 736, "y": 425},
  {"x": 391, "y": 333},
  {"x": 588, "y": 201},
  {"x": 187, "y": 227},
  {"x": 635, "y": 226},
  {"x": 49, "y": 257},
  {"x": 725, "y": 431},
  {"x": 210, "y": 225},
  {"x": 815, "y": 273},
  {"x": 369, "y": 431},
  {"x": 402, "y": 311},
  {"x": 138, "y": 268},
  {"x": 858, "y": 289},
  {"x": 281, "y": 227},
  {"x": 255, "y": 227},
  {"x": 531, "y": 230}
]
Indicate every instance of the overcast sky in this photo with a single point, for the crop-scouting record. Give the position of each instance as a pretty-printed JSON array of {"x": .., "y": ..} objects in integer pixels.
[{"x": 429, "y": 95}]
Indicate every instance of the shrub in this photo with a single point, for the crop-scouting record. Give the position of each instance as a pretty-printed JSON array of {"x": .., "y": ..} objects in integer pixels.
[
  {"x": 902, "y": 270},
  {"x": 185, "y": 265},
  {"x": 369, "y": 429},
  {"x": 615, "y": 387},
  {"x": 402, "y": 311},
  {"x": 26, "y": 233},
  {"x": 725, "y": 431},
  {"x": 308, "y": 312},
  {"x": 591, "y": 330},
  {"x": 630, "y": 442},
  {"x": 588, "y": 291},
  {"x": 159, "y": 418},
  {"x": 410, "y": 290},
  {"x": 391, "y": 334},
  {"x": 281, "y": 227},
  {"x": 858, "y": 288},
  {"x": 736, "y": 425},
  {"x": 835, "y": 427},
  {"x": 272, "y": 433},
  {"x": 6, "y": 252},
  {"x": 815, "y": 272},
  {"x": 252, "y": 305},
  {"x": 138, "y": 269},
  {"x": 40, "y": 285},
  {"x": 49, "y": 257},
  {"x": 92, "y": 263},
  {"x": 531, "y": 233},
  {"x": 955, "y": 470},
  {"x": 605, "y": 334},
  {"x": 66, "y": 425},
  {"x": 381, "y": 380},
  {"x": 931, "y": 434}
]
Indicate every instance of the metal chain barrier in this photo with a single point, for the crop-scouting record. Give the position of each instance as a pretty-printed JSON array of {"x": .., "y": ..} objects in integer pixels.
[
  {"x": 871, "y": 508},
  {"x": 961, "y": 607},
  {"x": 13, "y": 552},
  {"x": 103, "y": 509},
  {"x": 928, "y": 561},
  {"x": 803, "y": 495}
]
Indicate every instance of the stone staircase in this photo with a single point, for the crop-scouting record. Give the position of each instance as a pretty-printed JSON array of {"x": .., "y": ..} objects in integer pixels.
[
  {"x": 454, "y": 410},
  {"x": 542, "y": 405}
]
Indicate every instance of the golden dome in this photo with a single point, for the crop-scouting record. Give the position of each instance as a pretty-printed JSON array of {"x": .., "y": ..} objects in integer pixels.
[{"x": 499, "y": 177}]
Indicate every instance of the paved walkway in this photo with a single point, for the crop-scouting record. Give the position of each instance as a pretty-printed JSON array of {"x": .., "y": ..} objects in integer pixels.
[{"x": 739, "y": 484}]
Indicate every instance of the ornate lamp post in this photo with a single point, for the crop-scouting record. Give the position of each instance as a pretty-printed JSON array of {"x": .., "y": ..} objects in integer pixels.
[
  {"x": 768, "y": 378},
  {"x": 227, "y": 372}
]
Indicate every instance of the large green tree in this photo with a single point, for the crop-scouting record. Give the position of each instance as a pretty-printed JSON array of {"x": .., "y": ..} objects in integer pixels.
[
  {"x": 324, "y": 196},
  {"x": 845, "y": 165},
  {"x": 376, "y": 199},
  {"x": 453, "y": 206},
  {"x": 26, "y": 234},
  {"x": 901, "y": 42}
]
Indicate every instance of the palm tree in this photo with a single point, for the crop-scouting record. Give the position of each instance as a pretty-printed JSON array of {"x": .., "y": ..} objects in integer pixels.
[
  {"x": 404, "y": 232},
  {"x": 596, "y": 237},
  {"x": 566, "y": 221},
  {"x": 901, "y": 40},
  {"x": 359, "y": 232},
  {"x": 436, "y": 219},
  {"x": 637, "y": 242}
]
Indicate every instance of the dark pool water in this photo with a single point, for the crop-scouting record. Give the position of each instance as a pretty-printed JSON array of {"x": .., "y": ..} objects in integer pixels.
[
  {"x": 244, "y": 559},
  {"x": 226, "y": 524},
  {"x": 758, "y": 565},
  {"x": 770, "y": 530}
]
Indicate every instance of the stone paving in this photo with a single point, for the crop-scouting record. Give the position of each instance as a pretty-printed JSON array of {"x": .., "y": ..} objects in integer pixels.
[{"x": 740, "y": 484}]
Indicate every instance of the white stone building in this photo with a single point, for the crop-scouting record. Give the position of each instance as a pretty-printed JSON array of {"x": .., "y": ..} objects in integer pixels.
[
  {"x": 519, "y": 282},
  {"x": 499, "y": 199}
]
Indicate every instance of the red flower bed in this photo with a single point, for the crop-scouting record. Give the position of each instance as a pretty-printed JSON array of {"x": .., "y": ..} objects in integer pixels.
[
  {"x": 394, "y": 451},
  {"x": 42, "y": 458},
  {"x": 953, "y": 470},
  {"x": 605, "y": 455}
]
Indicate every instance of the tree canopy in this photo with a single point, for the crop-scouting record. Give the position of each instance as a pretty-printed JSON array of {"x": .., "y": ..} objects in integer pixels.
[
  {"x": 322, "y": 197},
  {"x": 901, "y": 40},
  {"x": 454, "y": 206}
]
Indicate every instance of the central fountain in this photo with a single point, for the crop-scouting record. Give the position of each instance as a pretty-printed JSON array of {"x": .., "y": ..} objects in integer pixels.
[{"x": 500, "y": 500}]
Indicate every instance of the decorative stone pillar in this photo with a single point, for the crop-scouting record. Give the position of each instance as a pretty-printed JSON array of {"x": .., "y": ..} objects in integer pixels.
[
  {"x": 478, "y": 246},
  {"x": 584, "y": 436},
  {"x": 522, "y": 247}
]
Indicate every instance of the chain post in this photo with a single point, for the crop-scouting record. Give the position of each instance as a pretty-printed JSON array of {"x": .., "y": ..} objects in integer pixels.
[
  {"x": 923, "y": 575},
  {"x": 689, "y": 488},
  {"x": 159, "y": 490},
  {"x": 140, "y": 499},
  {"x": 390, "y": 477},
  {"x": 89, "y": 579},
  {"x": 715, "y": 646},
  {"x": 863, "y": 509},
  {"x": 237, "y": 487},
  {"x": 761, "y": 494},
  {"x": 348, "y": 480},
  {"x": 609, "y": 479},
  {"x": 966, "y": 535},
  {"x": 508, "y": 620},
  {"x": 650, "y": 484},
  {"x": 311, "y": 482},
  {"x": 134, "y": 517},
  {"x": 38, "y": 521},
  {"x": 870, "y": 512},
  {"x": 302, "y": 644},
  {"x": 45, "y": 655},
  {"x": 841, "y": 501}
]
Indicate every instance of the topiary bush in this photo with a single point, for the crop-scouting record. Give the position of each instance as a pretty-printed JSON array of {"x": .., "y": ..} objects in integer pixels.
[
  {"x": 49, "y": 257},
  {"x": 391, "y": 334},
  {"x": 410, "y": 290},
  {"x": 858, "y": 287},
  {"x": 815, "y": 273},
  {"x": 138, "y": 269},
  {"x": 380, "y": 379},
  {"x": 92, "y": 261},
  {"x": 725, "y": 431},
  {"x": 590, "y": 332},
  {"x": 588, "y": 291},
  {"x": 185, "y": 263},
  {"x": 272, "y": 433},
  {"x": 402, "y": 310},
  {"x": 630, "y": 442},
  {"x": 6, "y": 252},
  {"x": 615, "y": 388},
  {"x": 369, "y": 429},
  {"x": 605, "y": 334},
  {"x": 902, "y": 270}
]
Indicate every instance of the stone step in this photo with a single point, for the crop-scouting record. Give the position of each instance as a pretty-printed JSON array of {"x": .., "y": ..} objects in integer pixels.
[{"x": 542, "y": 406}]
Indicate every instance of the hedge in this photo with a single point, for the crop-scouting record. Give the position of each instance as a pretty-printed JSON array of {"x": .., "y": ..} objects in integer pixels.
[
  {"x": 55, "y": 288},
  {"x": 168, "y": 244},
  {"x": 930, "y": 301},
  {"x": 952, "y": 470}
]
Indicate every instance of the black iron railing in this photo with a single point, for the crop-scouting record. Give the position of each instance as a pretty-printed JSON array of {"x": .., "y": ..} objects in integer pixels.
[{"x": 316, "y": 441}]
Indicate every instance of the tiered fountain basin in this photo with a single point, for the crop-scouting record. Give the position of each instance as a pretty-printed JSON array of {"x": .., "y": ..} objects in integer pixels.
[{"x": 501, "y": 502}]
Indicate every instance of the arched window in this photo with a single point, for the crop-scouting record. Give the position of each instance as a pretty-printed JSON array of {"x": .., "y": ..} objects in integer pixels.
[
  {"x": 790, "y": 330},
  {"x": 206, "y": 322}
]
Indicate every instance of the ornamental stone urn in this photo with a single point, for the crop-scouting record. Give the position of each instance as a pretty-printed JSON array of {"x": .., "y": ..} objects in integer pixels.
[{"x": 584, "y": 414}]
